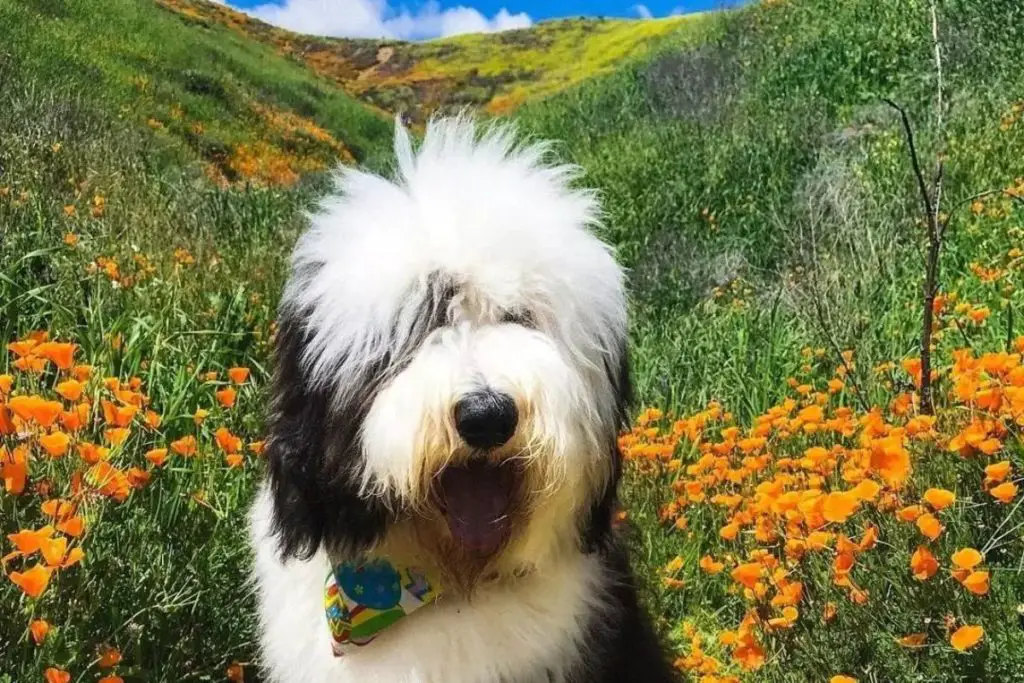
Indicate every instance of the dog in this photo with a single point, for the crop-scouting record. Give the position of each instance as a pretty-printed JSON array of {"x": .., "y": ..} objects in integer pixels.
[{"x": 451, "y": 379}]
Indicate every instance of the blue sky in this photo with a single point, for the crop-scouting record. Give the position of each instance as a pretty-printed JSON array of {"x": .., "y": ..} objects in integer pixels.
[
  {"x": 421, "y": 19},
  {"x": 547, "y": 9}
]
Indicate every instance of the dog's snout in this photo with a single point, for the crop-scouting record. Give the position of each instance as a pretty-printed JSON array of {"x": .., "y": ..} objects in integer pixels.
[{"x": 486, "y": 419}]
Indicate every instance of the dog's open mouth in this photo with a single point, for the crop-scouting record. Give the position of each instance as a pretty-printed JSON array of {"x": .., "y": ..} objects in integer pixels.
[{"x": 476, "y": 499}]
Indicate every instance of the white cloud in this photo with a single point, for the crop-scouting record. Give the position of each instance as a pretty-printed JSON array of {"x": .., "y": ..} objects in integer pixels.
[
  {"x": 643, "y": 12},
  {"x": 378, "y": 19}
]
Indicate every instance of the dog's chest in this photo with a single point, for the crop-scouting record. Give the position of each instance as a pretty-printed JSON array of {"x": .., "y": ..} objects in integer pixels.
[{"x": 531, "y": 632}]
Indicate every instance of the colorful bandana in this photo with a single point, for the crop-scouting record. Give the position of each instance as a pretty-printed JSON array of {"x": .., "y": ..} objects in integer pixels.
[{"x": 364, "y": 598}]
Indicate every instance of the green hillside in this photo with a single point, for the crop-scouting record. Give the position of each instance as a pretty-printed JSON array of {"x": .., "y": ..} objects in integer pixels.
[
  {"x": 492, "y": 73},
  {"x": 153, "y": 170}
]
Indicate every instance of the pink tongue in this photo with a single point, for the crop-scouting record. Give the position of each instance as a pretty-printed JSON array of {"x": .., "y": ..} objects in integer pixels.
[{"x": 476, "y": 499}]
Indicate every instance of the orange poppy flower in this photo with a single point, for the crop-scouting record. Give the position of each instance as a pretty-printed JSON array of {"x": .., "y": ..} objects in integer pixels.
[
  {"x": 238, "y": 375},
  {"x": 111, "y": 679},
  {"x": 57, "y": 508},
  {"x": 39, "y": 629},
  {"x": 730, "y": 531},
  {"x": 977, "y": 582},
  {"x": 967, "y": 558},
  {"x": 929, "y": 526},
  {"x": 1005, "y": 492},
  {"x": 235, "y": 673},
  {"x": 157, "y": 456},
  {"x": 866, "y": 490},
  {"x": 109, "y": 480},
  {"x": 81, "y": 373},
  {"x": 34, "y": 581},
  {"x": 92, "y": 454},
  {"x": 54, "y": 550},
  {"x": 226, "y": 397},
  {"x": 710, "y": 566},
  {"x": 842, "y": 679},
  {"x": 748, "y": 574},
  {"x": 70, "y": 390},
  {"x": 73, "y": 527},
  {"x": 869, "y": 539},
  {"x": 152, "y": 419},
  {"x": 966, "y": 637},
  {"x": 137, "y": 478},
  {"x": 28, "y": 541},
  {"x": 913, "y": 640},
  {"x": 910, "y": 513},
  {"x": 923, "y": 564},
  {"x": 22, "y": 348},
  {"x": 35, "y": 409},
  {"x": 117, "y": 435},
  {"x": 228, "y": 442},
  {"x": 54, "y": 675},
  {"x": 200, "y": 415},
  {"x": 939, "y": 499},
  {"x": 6, "y": 382},
  {"x": 235, "y": 460},
  {"x": 257, "y": 447},
  {"x": 997, "y": 472},
  {"x": 55, "y": 444},
  {"x": 109, "y": 658},
  {"x": 839, "y": 505},
  {"x": 60, "y": 354},
  {"x": 74, "y": 557},
  {"x": 819, "y": 540},
  {"x": 185, "y": 446}
]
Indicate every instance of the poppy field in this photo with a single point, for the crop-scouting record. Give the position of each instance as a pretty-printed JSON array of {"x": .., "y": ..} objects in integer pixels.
[{"x": 796, "y": 511}]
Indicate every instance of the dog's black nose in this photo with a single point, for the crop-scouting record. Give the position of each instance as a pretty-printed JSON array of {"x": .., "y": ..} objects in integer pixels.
[{"x": 486, "y": 419}]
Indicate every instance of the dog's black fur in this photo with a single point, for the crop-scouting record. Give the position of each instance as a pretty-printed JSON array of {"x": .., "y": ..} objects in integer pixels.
[{"x": 314, "y": 458}]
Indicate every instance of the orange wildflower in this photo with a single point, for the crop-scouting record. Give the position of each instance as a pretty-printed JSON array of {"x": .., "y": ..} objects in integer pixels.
[
  {"x": 235, "y": 460},
  {"x": 157, "y": 456},
  {"x": 34, "y": 581},
  {"x": 710, "y": 566},
  {"x": 92, "y": 454},
  {"x": 923, "y": 564},
  {"x": 929, "y": 526},
  {"x": 967, "y": 558},
  {"x": 913, "y": 640},
  {"x": 966, "y": 637},
  {"x": 60, "y": 354},
  {"x": 39, "y": 629},
  {"x": 35, "y": 409},
  {"x": 226, "y": 397},
  {"x": 54, "y": 675},
  {"x": 228, "y": 442},
  {"x": 55, "y": 444},
  {"x": 111, "y": 679},
  {"x": 109, "y": 658},
  {"x": 748, "y": 574},
  {"x": 939, "y": 499},
  {"x": 73, "y": 527},
  {"x": 235, "y": 673},
  {"x": 842, "y": 679},
  {"x": 238, "y": 375},
  {"x": 839, "y": 506},
  {"x": 1005, "y": 492},
  {"x": 977, "y": 582},
  {"x": 57, "y": 508},
  {"x": 117, "y": 435},
  {"x": 70, "y": 389},
  {"x": 997, "y": 472},
  {"x": 185, "y": 446},
  {"x": 27, "y": 541}
]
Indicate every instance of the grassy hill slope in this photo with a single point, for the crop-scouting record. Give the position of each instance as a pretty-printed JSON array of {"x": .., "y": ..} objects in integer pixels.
[
  {"x": 496, "y": 73},
  {"x": 758, "y": 191}
]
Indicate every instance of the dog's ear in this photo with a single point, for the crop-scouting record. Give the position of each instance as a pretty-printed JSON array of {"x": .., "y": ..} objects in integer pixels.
[
  {"x": 315, "y": 458},
  {"x": 597, "y": 527}
]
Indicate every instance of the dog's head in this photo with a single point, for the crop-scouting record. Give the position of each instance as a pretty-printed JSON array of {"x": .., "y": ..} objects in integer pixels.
[{"x": 452, "y": 369}]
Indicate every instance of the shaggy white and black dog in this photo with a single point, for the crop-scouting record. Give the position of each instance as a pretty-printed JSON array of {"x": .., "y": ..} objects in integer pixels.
[{"x": 451, "y": 379}]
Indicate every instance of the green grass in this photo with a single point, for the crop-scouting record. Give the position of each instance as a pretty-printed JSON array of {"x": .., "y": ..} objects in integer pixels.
[{"x": 748, "y": 169}]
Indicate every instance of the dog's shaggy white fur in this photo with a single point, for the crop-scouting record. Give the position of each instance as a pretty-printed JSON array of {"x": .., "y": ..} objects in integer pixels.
[{"x": 473, "y": 272}]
